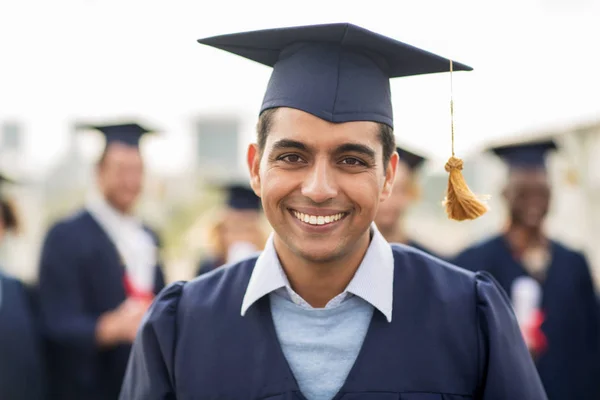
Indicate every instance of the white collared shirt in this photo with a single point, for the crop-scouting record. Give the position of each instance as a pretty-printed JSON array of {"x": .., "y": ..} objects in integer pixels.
[
  {"x": 373, "y": 280},
  {"x": 135, "y": 245}
]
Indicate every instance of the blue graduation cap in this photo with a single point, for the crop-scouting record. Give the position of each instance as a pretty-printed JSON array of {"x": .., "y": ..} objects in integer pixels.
[
  {"x": 240, "y": 197},
  {"x": 414, "y": 161},
  {"x": 525, "y": 155},
  {"x": 337, "y": 72},
  {"x": 128, "y": 133}
]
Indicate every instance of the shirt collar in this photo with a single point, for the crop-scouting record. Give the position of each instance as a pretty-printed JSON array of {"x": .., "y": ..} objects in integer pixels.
[
  {"x": 101, "y": 208},
  {"x": 373, "y": 280}
]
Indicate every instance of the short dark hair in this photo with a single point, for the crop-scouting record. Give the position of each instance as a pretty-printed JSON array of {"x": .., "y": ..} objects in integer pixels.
[
  {"x": 265, "y": 121},
  {"x": 8, "y": 215}
]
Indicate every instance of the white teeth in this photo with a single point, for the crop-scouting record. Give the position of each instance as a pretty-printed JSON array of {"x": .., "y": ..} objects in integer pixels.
[{"x": 318, "y": 219}]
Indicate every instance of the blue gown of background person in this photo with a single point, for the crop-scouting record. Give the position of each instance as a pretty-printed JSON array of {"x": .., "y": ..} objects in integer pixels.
[
  {"x": 569, "y": 366},
  {"x": 22, "y": 368},
  {"x": 81, "y": 277},
  {"x": 453, "y": 336}
]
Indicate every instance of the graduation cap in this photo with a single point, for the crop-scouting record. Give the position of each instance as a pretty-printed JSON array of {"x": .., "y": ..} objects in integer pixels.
[
  {"x": 414, "y": 161},
  {"x": 127, "y": 133},
  {"x": 241, "y": 197},
  {"x": 341, "y": 73},
  {"x": 525, "y": 155},
  {"x": 337, "y": 72}
]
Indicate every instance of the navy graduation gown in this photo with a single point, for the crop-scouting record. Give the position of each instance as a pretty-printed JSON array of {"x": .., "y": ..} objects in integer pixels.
[
  {"x": 570, "y": 366},
  {"x": 81, "y": 277},
  {"x": 207, "y": 265},
  {"x": 22, "y": 365},
  {"x": 452, "y": 336},
  {"x": 419, "y": 246}
]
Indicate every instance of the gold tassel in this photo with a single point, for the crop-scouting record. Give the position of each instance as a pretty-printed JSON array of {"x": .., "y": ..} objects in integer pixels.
[{"x": 461, "y": 204}]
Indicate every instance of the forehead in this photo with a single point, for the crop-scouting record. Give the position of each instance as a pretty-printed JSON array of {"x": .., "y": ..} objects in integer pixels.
[
  {"x": 298, "y": 125},
  {"x": 524, "y": 176},
  {"x": 119, "y": 151}
]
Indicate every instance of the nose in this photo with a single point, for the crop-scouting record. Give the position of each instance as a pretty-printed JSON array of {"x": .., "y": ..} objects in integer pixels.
[{"x": 320, "y": 185}]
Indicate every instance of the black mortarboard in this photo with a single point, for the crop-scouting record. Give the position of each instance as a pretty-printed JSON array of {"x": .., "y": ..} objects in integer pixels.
[
  {"x": 128, "y": 134},
  {"x": 241, "y": 197},
  {"x": 337, "y": 72},
  {"x": 414, "y": 161},
  {"x": 525, "y": 155}
]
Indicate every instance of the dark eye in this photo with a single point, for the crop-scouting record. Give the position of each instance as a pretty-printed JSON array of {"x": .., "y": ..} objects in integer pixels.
[
  {"x": 291, "y": 158},
  {"x": 352, "y": 161}
]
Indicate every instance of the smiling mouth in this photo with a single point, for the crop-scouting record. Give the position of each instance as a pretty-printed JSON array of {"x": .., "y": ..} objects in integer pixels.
[{"x": 318, "y": 219}]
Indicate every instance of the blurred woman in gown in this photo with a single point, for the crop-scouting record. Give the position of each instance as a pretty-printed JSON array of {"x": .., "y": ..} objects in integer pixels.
[{"x": 21, "y": 362}]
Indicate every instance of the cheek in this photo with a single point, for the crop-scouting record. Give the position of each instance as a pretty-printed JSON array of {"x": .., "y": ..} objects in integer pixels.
[
  {"x": 362, "y": 189},
  {"x": 276, "y": 184}
]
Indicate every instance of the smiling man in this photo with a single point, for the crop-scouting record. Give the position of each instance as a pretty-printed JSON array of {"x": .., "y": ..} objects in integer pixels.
[{"x": 329, "y": 309}]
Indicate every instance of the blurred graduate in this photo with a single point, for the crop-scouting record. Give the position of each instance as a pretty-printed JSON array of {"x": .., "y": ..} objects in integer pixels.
[
  {"x": 549, "y": 284},
  {"x": 99, "y": 271},
  {"x": 238, "y": 231},
  {"x": 22, "y": 368},
  {"x": 391, "y": 213}
]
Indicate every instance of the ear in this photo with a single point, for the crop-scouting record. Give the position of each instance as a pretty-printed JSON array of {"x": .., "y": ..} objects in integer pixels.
[
  {"x": 253, "y": 160},
  {"x": 506, "y": 192},
  {"x": 390, "y": 176}
]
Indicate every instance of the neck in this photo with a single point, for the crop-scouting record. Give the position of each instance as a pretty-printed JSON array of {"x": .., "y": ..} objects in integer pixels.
[
  {"x": 394, "y": 233},
  {"x": 116, "y": 208},
  {"x": 319, "y": 282},
  {"x": 521, "y": 238}
]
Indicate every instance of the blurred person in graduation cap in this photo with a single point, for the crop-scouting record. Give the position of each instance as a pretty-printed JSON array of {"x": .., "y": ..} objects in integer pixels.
[
  {"x": 391, "y": 213},
  {"x": 99, "y": 270},
  {"x": 238, "y": 232},
  {"x": 549, "y": 284},
  {"x": 22, "y": 368},
  {"x": 292, "y": 322}
]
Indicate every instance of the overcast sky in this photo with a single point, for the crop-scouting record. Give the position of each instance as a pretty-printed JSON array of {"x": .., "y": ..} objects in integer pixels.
[{"x": 536, "y": 64}]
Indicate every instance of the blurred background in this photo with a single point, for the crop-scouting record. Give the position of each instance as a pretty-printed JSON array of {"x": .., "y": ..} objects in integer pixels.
[{"x": 535, "y": 74}]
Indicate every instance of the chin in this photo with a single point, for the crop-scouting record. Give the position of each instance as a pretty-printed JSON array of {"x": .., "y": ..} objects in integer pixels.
[
  {"x": 318, "y": 257},
  {"x": 319, "y": 252}
]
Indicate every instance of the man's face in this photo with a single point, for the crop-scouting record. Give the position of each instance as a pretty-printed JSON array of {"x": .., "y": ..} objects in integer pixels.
[
  {"x": 528, "y": 197},
  {"x": 120, "y": 176},
  {"x": 320, "y": 183},
  {"x": 401, "y": 197}
]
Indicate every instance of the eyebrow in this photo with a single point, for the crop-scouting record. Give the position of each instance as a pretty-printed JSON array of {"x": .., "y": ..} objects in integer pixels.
[
  {"x": 290, "y": 144},
  {"x": 356, "y": 148},
  {"x": 366, "y": 151}
]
